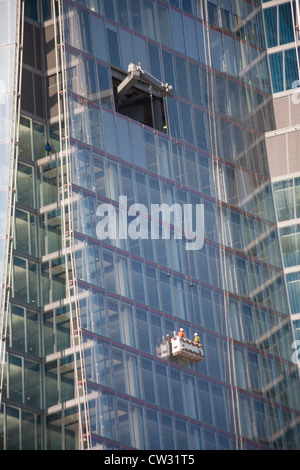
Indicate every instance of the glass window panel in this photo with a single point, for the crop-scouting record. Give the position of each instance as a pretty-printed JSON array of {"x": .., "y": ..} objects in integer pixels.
[
  {"x": 154, "y": 61},
  {"x": 152, "y": 286},
  {"x": 163, "y": 386},
  {"x": 133, "y": 375},
  {"x": 191, "y": 37},
  {"x": 109, "y": 271},
  {"x": 126, "y": 48},
  {"x": 118, "y": 370},
  {"x": 286, "y": 33},
  {"x": 16, "y": 386},
  {"x": 180, "y": 298},
  {"x": 149, "y": 381},
  {"x": 113, "y": 47},
  {"x": 164, "y": 24},
  {"x": 18, "y": 327},
  {"x": 122, "y": 272},
  {"x": 123, "y": 15},
  {"x": 297, "y": 196},
  {"x": 290, "y": 243},
  {"x": 123, "y": 422},
  {"x": 293, "y": 284},
  {"x": 201, "y": 41},
  {"x": 31, "y": 10},
  {"x": 109, "y": 9},
  {"x": 141, "y": 189},
  {"x": 174, "y": 118},
  {"x": 85, "y": 30},
  {"x": 123, "y": 130},
  {"x": 284, "y": 200},
  {"x": 270, "y": 15},
  {"x": 51, "y": 383},
  {"x": 106, "y": 89},
  {"x": 99, "y": 174},
  {"x": 167, "y": 428},
  {"x": 136, "y": 15},
  {"x": 182, "y": 79},
  {"x": 29, "y": 431},
  {"x": 32, "y": 381},
  {"x": 25, "y": 137},
  {"x": 220, "y": 410},
  {"x": 20, "y": 279},
  {"x": 153, "y": 430},
  {"x": 143, "y": 330},
  {"x": 216, "y": 50},
  {"x": 114, "y": 321},
  {"x": 291, "y": 68},
  {"x": 99, "y": 38},
  {"x": 110, "y": 133},
  {"x": 205, "y": 401},
  {"x": 39, "y": 140},
  {"x": 191, "y": 394},
  {"x": 230, "y": 54},
  {"x": 138, "y": 426},
  {"x": 12, "y": 425},
  {"x": 177, "y": 31},
  {"x": 165, "y": 288},
  {"x": 150, "y": 19},
  {"x": 169, "y": 76},
  {"x": 141, "y": 52},
  {"x": 139, "y": 144},
  {"x": 181, "y": 434},
  {"x": 276, "y": 65},
  {"x": 187, "y": 121},
  {"x": 8, "y": 9},
  {"x": 191, "y": 169},
  {"x": 195, "y": 83}
]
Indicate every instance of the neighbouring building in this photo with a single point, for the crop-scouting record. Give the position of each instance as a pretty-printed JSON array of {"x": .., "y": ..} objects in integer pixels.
[{"x": 282, "y": 24}]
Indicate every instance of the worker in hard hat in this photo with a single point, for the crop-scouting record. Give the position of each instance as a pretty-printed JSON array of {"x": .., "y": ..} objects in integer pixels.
[
  {"x": 196, "y": 338},
  {"x": 181, "y": 333}
]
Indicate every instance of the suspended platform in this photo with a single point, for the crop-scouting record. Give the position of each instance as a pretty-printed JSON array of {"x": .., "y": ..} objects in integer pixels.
[{"x": 180, "y": 348}]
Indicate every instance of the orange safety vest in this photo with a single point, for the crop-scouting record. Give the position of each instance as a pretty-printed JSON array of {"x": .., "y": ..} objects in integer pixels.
[{"x": 181, "y": 333}]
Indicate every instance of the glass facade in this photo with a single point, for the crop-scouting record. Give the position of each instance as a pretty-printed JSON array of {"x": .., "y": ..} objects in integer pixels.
[
  {"x": 8, "y": 87},
  {"x": 282, "y": 43},
  {"x": 286, "y": 194},
  {"x": 133, "y": 291},
  {"x": 10, "y": 39}
]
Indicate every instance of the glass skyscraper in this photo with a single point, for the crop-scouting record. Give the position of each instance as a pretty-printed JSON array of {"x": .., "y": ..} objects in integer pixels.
[{"x": 83, "y": 317}]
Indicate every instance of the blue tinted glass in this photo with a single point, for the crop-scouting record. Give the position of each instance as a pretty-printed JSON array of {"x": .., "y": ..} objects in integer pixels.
[
  {"x": 293, "y": 281},
  {"x": 113, "y": 47},
  {"x": 277, "y": 71},
  {"x": 271, "y": 26},
  {"x": 31, "y": 9},
  {"x": 177, "y": 31},
  {"x": 291, "y": 68},
  {"x": 286, "y": 29}
]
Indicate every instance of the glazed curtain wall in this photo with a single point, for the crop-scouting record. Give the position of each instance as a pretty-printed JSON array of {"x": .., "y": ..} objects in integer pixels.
[
  {"x": 135, "y": 291},
  {"x": 8, "y": 21}
]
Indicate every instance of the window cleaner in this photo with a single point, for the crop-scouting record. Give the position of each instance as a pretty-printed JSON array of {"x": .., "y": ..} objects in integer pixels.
[{"x": 178, "y": 348}]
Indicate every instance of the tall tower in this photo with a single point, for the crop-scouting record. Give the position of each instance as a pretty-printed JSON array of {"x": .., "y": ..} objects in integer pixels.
[{"x": 127, "y": 105}]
